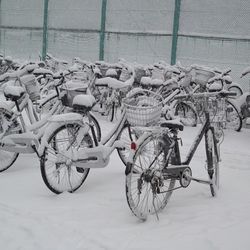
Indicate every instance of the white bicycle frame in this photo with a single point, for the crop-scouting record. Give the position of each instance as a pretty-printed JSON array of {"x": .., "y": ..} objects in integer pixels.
[
  {"x": 28, "y": 140},
  {"x": 96, "y": 157}
]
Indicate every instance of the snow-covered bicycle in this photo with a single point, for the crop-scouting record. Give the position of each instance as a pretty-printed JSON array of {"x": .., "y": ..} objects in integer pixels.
[
  {"x": 23, "y": 132},
  {"x": 73, "y": 147}
]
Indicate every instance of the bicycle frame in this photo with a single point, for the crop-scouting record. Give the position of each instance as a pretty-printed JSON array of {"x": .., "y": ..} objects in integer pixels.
[
  {"x": 98, "y": 156},
  {"x": 26, "y": 142},
  {"x": 203, "y": 131},
  {"x": 178, "y": 166}
]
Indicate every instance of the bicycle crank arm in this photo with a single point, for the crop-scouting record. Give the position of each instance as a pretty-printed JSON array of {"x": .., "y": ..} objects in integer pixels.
[
  {"x": 169, "y": 190},
  {"x": 202, "y": 181}
]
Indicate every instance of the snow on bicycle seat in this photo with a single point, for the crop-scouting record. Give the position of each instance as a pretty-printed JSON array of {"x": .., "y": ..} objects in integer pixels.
[
  {"x": 83, "y": 102},
  {"x": 14, "y": 92},
  {"x": 148, "y": 81},
  {"x": 172, "y": 124},
  {"x": 111, "y": 83}
]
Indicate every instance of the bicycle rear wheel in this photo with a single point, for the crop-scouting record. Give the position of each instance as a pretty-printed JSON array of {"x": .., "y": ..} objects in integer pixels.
[
  {"x": 212, "y": 162},
  {"x": 127, "y": 135},
  {"x": 60, "y": 177},
  {"x": 8, "y": 126},
  {"x": 186, "y": 113},
  {"x": 97, "y": 127},
  {"x": 147, "y": 189}
]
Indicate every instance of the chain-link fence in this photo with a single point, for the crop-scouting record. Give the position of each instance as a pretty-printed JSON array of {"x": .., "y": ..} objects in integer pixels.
[{"x": 210, "y": 32}]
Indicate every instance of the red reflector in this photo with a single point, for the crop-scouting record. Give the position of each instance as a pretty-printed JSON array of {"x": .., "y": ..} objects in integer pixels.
[{"x": 133, "y": 145}]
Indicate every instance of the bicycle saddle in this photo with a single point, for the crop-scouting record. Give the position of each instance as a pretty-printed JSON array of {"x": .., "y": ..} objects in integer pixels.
[
  {"x": 83, "y": 103},
  {"x": 13, "y": 92},
  {"x": 172, "y": 125},
  {"x": 111, "y": 83},
  {"x": 148, "y": 81}
]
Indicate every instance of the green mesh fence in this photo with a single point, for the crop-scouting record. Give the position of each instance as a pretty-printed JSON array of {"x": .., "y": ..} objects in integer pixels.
[{"x": 210, "y": 32}]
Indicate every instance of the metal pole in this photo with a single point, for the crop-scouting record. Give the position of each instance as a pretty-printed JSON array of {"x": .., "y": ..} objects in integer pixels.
[
  {"x": 175, "y": 31},
  {"x": 0, "y": 25},
  {"x": 45, "y": 29},
  {"x": 102, "y": 31}
]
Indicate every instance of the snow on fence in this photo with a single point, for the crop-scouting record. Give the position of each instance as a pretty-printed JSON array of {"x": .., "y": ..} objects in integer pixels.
[{"x": 210, "y": 32}]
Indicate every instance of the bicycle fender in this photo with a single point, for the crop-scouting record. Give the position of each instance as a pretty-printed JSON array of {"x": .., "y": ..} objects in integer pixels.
[
  {"x": 128, "y": 169},
  {"x": 50, "y": 129},
  {"x": 132, "y": 153},
  {"x": 68, "y": 117}
]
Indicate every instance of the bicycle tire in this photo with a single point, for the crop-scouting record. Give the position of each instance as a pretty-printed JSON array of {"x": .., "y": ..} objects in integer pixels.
[
  {"x": 126, "y": 135},
  {"x": 186, "y": 113},
  {"x": 111, "y": 112},
  {"x": 233, "y": 117},
  {"x": 237, "y": 90},
  {"x": 212, "y": 161},
  {"x": 97, "y": 127},
  {"x": 46, "y": 106},
  {"x": 92, "y": 118},
  {"x": 59, "y": 181},
  {"x": 7, "y": 158},
  {"x": 140, "y": 190}
]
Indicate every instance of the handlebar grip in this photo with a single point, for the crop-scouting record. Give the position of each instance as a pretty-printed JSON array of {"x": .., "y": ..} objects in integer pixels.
[{"x": 228, "y": 93}]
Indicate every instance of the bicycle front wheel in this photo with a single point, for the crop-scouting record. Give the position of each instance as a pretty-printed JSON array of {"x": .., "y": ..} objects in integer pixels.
[
  {"x": 233, "y": 118},
  {"x": 127, "y": 135},
  {"x": 61, "y": 177},
  {"x": 147, "y": 189},
  {"x": 8, "y": 127},
  {"x": 237, "y": 90},
  {"x": 212, "y": 162},
  {"x": 186, "y": 113}
]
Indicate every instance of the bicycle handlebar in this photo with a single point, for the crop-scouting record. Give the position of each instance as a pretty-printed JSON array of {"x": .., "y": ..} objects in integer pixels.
[{"x": 222, "y": 94}]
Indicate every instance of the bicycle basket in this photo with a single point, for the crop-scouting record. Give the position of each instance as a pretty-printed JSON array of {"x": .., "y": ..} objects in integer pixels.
[
  {"x": 217, "y": 109},
  {"x": 215, "y": 106},
  {"x": 143, "y": 108},
  {"x": 72, "y": 89},
  {"x": 202, "y": 76},
  {"x": 31, "y": 86}
]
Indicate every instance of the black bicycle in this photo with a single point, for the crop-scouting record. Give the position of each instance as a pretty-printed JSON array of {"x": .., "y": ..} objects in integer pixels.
[{"x": 156, "y": 164}]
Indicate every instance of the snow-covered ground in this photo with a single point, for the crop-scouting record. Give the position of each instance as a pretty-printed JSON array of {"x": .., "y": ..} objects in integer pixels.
[{"x": 97, "y": 215}]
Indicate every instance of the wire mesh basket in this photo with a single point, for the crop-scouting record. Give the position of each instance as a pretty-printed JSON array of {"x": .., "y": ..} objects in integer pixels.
[
  {"x": 203, "y": 75},
  {"x": 143, "y": 108},
  {"x": 31, "y": 86},
  {"x": 217, "y": 109},
  {"x": 214, "y": 105}
]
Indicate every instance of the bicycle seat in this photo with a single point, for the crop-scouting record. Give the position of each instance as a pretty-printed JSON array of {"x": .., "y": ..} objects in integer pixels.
[
  {"x": 111, "y": 83},
  {"x": 172, "y": 124},
  {"x": 13, "y": 93},
  {"x": 83, "y": 103},
  {"x": 148, "y": 81}
]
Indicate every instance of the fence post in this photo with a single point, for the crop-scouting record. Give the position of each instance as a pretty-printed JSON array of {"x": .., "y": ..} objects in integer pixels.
[
  {"x": 175, "y": 30},
  {"x": 45, "y": 28},
  {"x": 0, "y": 26},
  {"x": 102, "y": 31}
]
